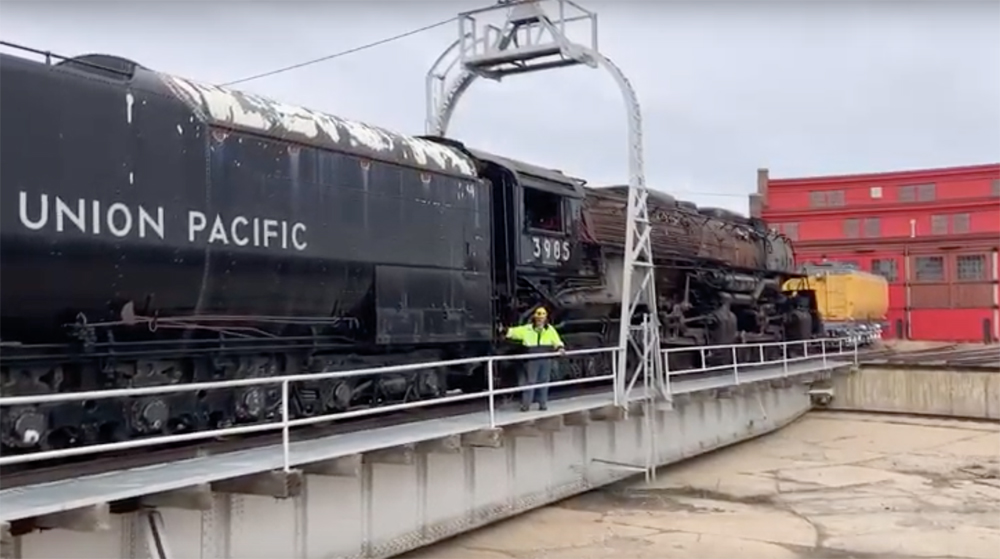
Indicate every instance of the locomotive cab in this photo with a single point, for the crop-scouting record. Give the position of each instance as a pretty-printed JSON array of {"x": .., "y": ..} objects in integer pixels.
[
  {"x": 547, "y": 222},
  {"x": 538, "y": 253},
  {"x": 537, "y": 225},
  {"x": 540, "y": 213}
]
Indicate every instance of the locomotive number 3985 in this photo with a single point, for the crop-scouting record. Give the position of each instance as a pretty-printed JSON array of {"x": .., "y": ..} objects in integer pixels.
[{"x": 546, "y": 249}]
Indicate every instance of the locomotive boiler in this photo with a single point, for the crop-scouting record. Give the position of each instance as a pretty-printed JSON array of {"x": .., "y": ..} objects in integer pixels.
[
  {"x": 719, "y": 275},
  {"x": 158, "y": 231}
]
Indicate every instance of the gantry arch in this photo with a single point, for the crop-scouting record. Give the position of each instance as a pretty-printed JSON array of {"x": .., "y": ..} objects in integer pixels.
[{"x": 534, "y": 38}]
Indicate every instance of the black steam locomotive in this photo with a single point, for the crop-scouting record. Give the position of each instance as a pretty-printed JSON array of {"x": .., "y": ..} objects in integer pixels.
[{"x": 160, "y": 231}]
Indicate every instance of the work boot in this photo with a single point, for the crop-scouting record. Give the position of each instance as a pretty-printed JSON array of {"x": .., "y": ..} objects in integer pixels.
[
  {"x": 525, "y": 407},
  {"x": 543, "y": 407}
]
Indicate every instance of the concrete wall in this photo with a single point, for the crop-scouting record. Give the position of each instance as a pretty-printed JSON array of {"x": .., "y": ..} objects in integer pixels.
[
  {"x": 957, "y": 393},
  {"x": 389, "y": 509}
]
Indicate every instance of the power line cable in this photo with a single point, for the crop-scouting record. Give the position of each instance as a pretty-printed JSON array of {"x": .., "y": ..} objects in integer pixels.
[
  {"x": 341, "y": 53},
  {"x": 50, "y": 55},
  {"x": 403, "y": 36}
]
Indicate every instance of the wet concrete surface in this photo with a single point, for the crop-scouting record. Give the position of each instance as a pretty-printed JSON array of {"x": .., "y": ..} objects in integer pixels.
[{"x": 830, "y": 486}]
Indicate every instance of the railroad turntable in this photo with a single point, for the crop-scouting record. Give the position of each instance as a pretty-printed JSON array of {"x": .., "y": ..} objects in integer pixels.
[{"x": 197, "y": 234}]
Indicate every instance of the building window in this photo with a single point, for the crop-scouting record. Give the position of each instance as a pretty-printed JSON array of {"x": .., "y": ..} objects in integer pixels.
[
  {"x": 995, "y": 188},
  {"x": 970, "y": 267},
  {"x": 925, "y": 192},
  {"x": 886, "y": 267},
  {"x": 917, "y": 192},
  {"x": 792, "y": 231},
  {"x": 817, "y": 199},
  {"x": 852, "y": 228},
  {"x": 827, "y": 198},
  {"x": 873, "y": 227},
  {"x": 930, "y": 268},
  {"x": 836, "y": 198},
  {"x": 960, "y": 223},
  {"x": 939, "y": 225}
]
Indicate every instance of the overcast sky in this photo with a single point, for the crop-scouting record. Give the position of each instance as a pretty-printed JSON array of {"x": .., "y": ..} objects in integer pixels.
[{"x": 803, "y": 87}]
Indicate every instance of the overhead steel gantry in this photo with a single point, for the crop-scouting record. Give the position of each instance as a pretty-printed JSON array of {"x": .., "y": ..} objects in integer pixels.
[{"x": 532, "y": 40}]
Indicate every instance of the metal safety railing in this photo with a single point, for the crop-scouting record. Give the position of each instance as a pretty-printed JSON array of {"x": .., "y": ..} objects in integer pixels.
[
  {"x": 743, "y": 358},
  {"x": 285, "y": 423},
  {"x": 737, "y": 359}
]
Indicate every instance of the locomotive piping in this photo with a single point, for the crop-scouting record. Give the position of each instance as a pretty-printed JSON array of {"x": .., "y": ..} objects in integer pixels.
[{"x": 764, "y": 284}]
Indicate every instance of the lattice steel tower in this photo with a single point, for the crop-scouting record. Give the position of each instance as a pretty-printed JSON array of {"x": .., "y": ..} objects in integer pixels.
[{"x": 534, "y": 39}]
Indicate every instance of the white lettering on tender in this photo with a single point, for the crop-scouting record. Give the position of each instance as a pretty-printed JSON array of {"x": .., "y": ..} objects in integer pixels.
[
  {"x": 119, "y": 209},
  {"x": 121, "y": 220},
  {"x": 39, "y": 223},
  {"x": 64, "y": 212},
  {"x": 264, "y": 232},
  {"x": 241, "y": 222},
  {"x": 196, "y": 222},
  {"x": 146, "y": 220}
]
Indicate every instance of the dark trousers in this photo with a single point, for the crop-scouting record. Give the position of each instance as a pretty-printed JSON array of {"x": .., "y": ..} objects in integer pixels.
[{"x": 535, "y": 371}]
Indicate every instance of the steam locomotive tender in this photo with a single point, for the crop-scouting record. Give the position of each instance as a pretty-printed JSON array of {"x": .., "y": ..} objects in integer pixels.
[{"x": 158, "y": 231}]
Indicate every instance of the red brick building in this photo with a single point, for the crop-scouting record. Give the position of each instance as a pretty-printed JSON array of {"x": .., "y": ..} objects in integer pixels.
[{"x": 934, "y": 234}]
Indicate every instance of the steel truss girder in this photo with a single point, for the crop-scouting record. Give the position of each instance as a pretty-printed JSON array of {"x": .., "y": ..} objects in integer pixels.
[{"x": 642, "y": 335}]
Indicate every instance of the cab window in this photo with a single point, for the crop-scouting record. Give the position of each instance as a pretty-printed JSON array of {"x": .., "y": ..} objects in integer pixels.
[{"x": 543, "y": 210}]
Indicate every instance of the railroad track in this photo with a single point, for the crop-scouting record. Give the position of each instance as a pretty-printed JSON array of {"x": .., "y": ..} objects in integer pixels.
[
  {"x": 952, "y": 355},
  {"x": 34, "y": 473}
]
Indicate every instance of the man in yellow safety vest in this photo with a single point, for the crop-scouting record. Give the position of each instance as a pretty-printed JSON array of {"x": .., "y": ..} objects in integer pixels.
[{"x": 538, "y": 336}]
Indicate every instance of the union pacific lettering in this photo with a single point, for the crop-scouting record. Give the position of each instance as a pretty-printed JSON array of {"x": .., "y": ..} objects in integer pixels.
[{"x": 95, "y": 217}]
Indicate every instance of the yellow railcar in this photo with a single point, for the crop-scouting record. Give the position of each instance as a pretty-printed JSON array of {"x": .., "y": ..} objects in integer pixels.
[{"x": 844, "y": 294}]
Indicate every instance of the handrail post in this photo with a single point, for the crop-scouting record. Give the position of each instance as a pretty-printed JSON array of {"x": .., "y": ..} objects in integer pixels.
[
  {"x": 666, "y": 373},
  {"x": 704, "y": 360},
  {"x": 761, "y": 346},
  {"x": 736, "y": 366},
  {"x": 823, "y": 349},
  {"x": 856, "y": 354},
  {"x": 784, "y": 358},
  {"x": 285, "y": 443},
  {"x": 617, "y": 383},
  {"x": 805, "y": 348},
  {"x": 490, "y": 389}
]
